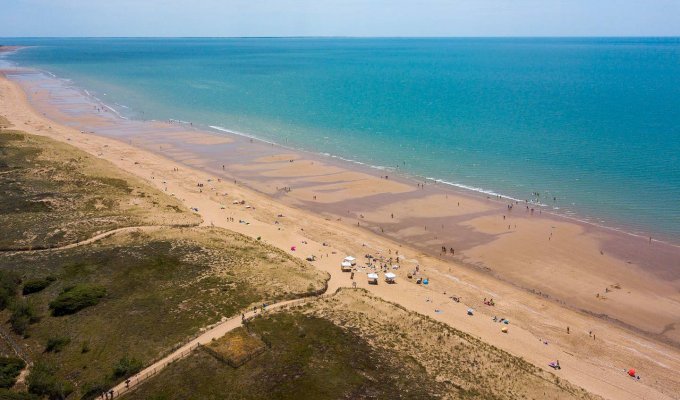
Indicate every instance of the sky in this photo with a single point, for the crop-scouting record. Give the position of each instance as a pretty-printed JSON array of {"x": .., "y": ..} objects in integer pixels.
[{"x": 20, "y": 18}]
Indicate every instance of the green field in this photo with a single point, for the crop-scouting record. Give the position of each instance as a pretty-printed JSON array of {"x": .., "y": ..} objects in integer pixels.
[
  {"x": 307, "y": 358},
  {"x": 138, "y": 295}
]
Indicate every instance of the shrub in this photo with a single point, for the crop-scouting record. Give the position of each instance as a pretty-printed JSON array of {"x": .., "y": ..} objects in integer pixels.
[
  {"x": 9, "y": 371},
  {"x": 125, "y": 367},
  {"x": 23, "y": 314},
  {"x": 43, "y": 382},
  {"x": 37, "y": 285},
  {"x": 56, "y": 344},
  {"x": 9, "y": 283},
  {"x": 75, "y": 298}
]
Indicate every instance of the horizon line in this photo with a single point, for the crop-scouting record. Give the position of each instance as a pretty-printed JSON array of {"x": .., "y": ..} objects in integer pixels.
[{"x": 350, "y": 37}]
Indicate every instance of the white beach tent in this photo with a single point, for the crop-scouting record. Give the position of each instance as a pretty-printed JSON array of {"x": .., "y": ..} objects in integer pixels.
[
  {"x": 346, "y": 266},
  {"x": 389, "y": 277},
  {"x": 373, "y": 278},
  {"x": 351, "y": 260}
]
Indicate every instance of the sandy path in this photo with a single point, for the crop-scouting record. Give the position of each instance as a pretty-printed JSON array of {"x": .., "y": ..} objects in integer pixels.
[{"x": 595, "y": 365}]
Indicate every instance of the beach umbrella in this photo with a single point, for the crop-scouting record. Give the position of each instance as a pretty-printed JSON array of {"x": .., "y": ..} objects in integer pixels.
[
  {"x": 350, "y": 258},
  {"x": 631, "y": 372},
  {"x": 470, "y": 311},
  {"x": 504, "y": 329},
  {"x": 293, "y": 248},
  {"x": 390, "y": 275},
  {"x": 346, "y": 264}
]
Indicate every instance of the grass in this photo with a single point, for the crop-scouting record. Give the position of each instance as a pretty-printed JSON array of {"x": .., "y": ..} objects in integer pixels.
[
  {"x": 353, "y": 345},
  {"x": 161, "y": 288},
  {"x": 52, "y": 194},
  {"x": 306, "y": 358}
]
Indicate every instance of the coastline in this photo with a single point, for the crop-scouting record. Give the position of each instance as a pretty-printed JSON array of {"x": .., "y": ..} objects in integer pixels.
[
  {"x": 337, "y": 189},
  {"x": 479, "y": 233},
  {"x": 474, "y": 192}
]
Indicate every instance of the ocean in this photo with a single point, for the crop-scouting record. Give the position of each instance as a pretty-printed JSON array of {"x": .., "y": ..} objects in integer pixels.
[{"x": 586, "y": 127}]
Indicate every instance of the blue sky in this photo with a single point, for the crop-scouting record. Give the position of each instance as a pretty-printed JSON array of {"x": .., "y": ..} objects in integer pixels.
[{"x": 339, "y": 18}]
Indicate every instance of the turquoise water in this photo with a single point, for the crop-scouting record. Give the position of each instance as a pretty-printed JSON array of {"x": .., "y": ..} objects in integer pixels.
[{"x": 594, "y": 123}]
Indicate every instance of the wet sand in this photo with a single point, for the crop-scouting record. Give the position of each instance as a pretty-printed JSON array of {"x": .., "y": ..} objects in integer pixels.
[{"x": 545, "y": 272}]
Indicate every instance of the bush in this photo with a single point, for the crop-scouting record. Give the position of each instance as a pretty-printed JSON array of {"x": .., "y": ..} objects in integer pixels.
[
  {"x": 43, "y": 382},
  {"x": 75, "y": 298},
  {"x": 9, "y": 371},
  {"x": 56, "y": 344},
  {"x": 23, "y": 314},
  {"x": 126, "y": 367},
  {"x": 9, "y": 283},
  {"x": 85, "y": 347},
  {"x": 37, "y": 285}
]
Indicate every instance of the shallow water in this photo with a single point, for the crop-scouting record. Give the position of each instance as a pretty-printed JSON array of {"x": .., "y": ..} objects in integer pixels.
[{"x": 592, "y": 125}]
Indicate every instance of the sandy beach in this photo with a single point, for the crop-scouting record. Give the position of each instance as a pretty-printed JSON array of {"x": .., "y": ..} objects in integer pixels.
[{"x": 599, "y": 300}]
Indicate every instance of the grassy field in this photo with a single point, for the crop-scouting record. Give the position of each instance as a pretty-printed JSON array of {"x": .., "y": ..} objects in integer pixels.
[
  {"x": 306, "y": 358},
  {"x": 136, "y": 295},
  {"x": 355, "y": 346},
  {"x": 52, "y": 194}
]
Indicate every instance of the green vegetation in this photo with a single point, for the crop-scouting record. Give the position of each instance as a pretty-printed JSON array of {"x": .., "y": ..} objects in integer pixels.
[
  {"x": 52, "y": 194},
  {"x": 353, "y": 345},
  {"x": 75, "y": 298},
  {"x": 57, "y": 344},
  {"x": 37, "y": 285},
  {"x": 9, "y": 371},
  {"x": 126, "y": 367},
  {"x": 43, "y": 381},
  {"x": 306, "y": 358},
  {"x": 6, "y": 394},
  {"x": 96, "y": 314},
  {"x": 161, "y": 287},
  {"x": 23, "y": 314},
  {"x": 9, "y": 284}
]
